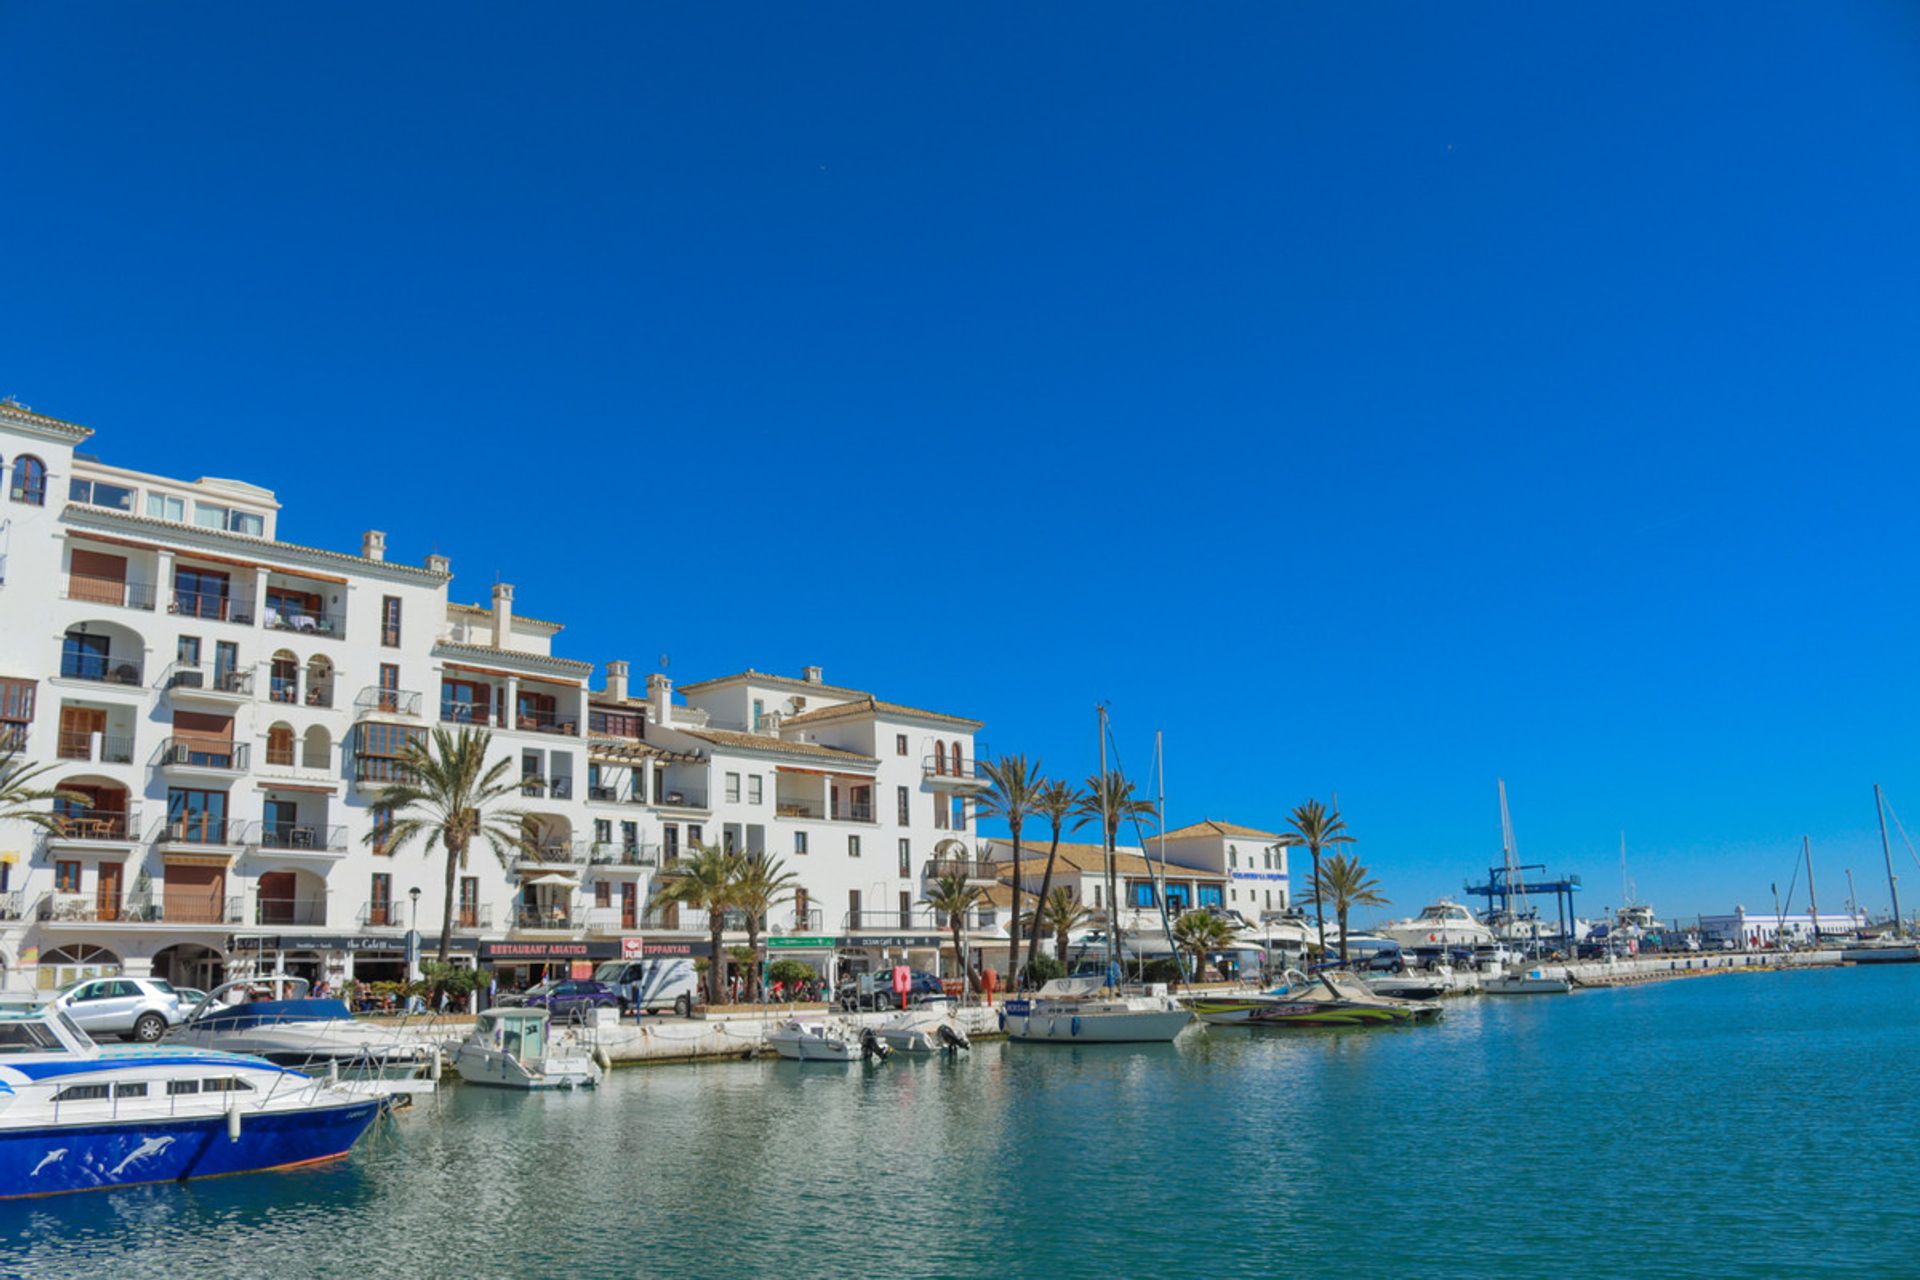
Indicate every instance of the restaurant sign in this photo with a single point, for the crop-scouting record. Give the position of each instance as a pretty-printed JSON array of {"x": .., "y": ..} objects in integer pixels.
[
  {"x": 801, "y": 942},
  {"x": 336, "y": 942},
  {"x": 509, "y": 952}
]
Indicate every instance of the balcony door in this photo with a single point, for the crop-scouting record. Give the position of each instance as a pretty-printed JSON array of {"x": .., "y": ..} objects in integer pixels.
[
  {"x": 276, "y": 897},
  {"x": 106, "y": 896},
  {"x": 197, "y": 817},
  {"x": 84, "y": 657},
  {"x": 195, "y": 895},
  {"x": 98, "y": 578},
  {"x": 629, "y": 905},
  {"x": 77, "y": 727}
]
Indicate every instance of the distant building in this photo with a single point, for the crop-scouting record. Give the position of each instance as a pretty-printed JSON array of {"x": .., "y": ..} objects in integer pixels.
[{"x": 1759, "y": 929}]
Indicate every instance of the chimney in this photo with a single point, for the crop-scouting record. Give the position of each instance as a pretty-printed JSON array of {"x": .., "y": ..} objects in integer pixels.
[
  {"x": 373, "y": 545},
  {"x": 812, "y": 675},
  {"x": 502, "y": 613},
  {"x": 660, "y": 694},
  {"x": 617, "y": 681},
  {"x": 440, "y": 564}
]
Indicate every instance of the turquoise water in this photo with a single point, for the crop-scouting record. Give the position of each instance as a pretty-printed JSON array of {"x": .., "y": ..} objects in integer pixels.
[{"x": 1754, "y": 1125}]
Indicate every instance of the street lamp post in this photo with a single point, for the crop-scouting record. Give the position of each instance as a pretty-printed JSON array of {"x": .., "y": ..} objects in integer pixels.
[{"x": 413, "y": 933}]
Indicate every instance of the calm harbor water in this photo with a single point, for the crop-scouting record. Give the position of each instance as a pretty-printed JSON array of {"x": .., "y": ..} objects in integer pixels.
[{"x": 1763, "y": 1125}]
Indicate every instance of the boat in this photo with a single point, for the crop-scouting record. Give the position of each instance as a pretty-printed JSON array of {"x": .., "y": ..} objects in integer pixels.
[
  {"x": 1445, "y": 925},
  {"x": 1895, "y": 947},
  {"x": 1088, "y": 1011},
  {"x": 827, "y": 1040},
  {"x": 517, "y": 1047},
  {"x": 1333, "y": 999},
  {"x": 1413, "y": 984},
  {"x": 930, "y": 1030},
  {"x": 318, "y": 1036},
  {"x": 1528, "y": 982},
  {"x": 76, "y": 1116}
]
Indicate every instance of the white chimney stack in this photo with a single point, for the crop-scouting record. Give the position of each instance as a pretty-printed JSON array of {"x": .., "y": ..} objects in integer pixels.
[
  {"x": 813, "y": 676},
  {"x": 660, "y": 694},
  {"x": 502, "y": 613},
  {"x": 440, "y": 564},
  {"x": 373, "y": 545},
  {"x": 617, "y": 681}
]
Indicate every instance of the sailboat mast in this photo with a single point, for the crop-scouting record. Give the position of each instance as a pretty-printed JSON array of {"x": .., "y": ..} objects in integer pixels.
[
  {"x": 1893, "y": 881},
  {"x": 1813, "y": 903},
  {"x": 1853, "y": 904},
  {"x": 1106, "y": 840}
]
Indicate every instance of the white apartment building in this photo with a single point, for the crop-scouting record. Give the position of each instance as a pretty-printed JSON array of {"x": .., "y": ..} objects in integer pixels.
[{"x": 227, "y": 703}]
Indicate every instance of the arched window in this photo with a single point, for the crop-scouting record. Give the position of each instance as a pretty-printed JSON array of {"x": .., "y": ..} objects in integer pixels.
[
  {"x": 956, "y": 757},
  {"x": 939, "y": 756},
  {"x": 319, "y": 681},
  {"x": 284, "y": 677},
  {"x": 280, "y": 745},
  {"x": 29, "y": 481},
  {"x": 67, "y": 964},
  {"x": 316, "y": 749}
]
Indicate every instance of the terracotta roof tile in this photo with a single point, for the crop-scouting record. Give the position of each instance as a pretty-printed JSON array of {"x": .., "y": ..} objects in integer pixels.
[
  {"x": 1211, "y": 827},
  {"x": 570, "y": 665},
  {"x": 27, "y": 417},
  {"x": 1090, "y": 859},
  {"x": 871, "y": 705},
  {"x": 188, "y": 532},
  {"x": 769, "y": 678},
  {"x": 759, "y": 742}
]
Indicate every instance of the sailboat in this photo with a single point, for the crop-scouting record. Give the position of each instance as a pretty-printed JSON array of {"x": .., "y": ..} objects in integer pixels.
[{"x": 1896, "y": 947}]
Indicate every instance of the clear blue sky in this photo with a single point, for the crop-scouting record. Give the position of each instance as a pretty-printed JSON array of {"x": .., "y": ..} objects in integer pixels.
[{"x": 1378, "y": 400}]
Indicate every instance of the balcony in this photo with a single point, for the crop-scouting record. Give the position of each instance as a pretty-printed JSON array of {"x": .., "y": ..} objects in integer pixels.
[
  {"x": 966, "y": 868},
  {"x": 96, "y": 748},
  {"x": 681, "y": 798},
  {"x": 210, "y": 606},
  {"x": 382, "y": 915},
  {"x": 561, "y": 788},
  {"x": 798, "y": 809},
  {"x": 380, "y": 771},
  {"x": 807, "y": 921},
  {"x": 632, "y": 855},
  {"x": 615, "y": 795},
  {"x": 303, "y": 911},
  {"x": 851, "y": 811},
  {"x": 297, "y": 837},
  {"x": 479, "y": 714},
  {"x": 476, "y": 917},
  {"x": 121, "y": 595},
  {"x": 196, "y": 829},
  {"x": 96, "y": 826},
  {"x": 87, "y": 908},
  {"x": 210, "y": 911},
  {"x": 190, "y": 679},
  {"x": 11, "y": 905},
  {"x": 554, "y": 853},
  {"x": 922, "y": 921},
  {"x": 375, "y": 701},
  {"x": 313, "y": 622},
  {"x": 203, "y": 755},
  {"x": 528, "y": 721},
  {"x": 99, "y": 670},
  {"x": 954, "y": 773},
  {"x": 554, "y": 919}
]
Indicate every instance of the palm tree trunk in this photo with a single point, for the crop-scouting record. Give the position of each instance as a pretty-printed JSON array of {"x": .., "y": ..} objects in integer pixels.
[
  {"x": 1013, "y": 933},
  {"x": 1040, "y": 903},
  {"x": 753, "y": 945},
  {"x": 454, "y": 858},
  {"x": 966, "y": 972},
  {"x": 1340, "y": 910},
  {"x": 716, "y": 968},
  {"x": 1319, "y": 920}
]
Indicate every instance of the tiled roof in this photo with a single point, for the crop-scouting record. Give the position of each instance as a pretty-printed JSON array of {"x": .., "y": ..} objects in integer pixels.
[
  {"x": 190, "y": 532},
  {"x": 871, "y": 705},
  {"x": 26, "y": 417},
  {"x": 759, "y": 742},
  {"x": 767, "y": 678},
  {"x": 570, "y": 665},
  {"x": 1210, "y": 827},
  {"x": 1090, "y": 859},
  {"x": 626, "y": 751},
  {"x": 486, "y": 612}
]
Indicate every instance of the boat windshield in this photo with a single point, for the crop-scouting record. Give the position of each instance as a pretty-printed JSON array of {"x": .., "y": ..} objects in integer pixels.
[
  {"x": 32, "y": 1037},
  {"x": 80, "y": 1038}
]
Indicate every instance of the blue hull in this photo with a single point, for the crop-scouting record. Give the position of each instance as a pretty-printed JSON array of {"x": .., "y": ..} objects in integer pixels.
[{"x": 35, "y": 1162}]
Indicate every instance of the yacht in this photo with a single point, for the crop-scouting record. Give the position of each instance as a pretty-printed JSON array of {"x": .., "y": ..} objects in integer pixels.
[
  {"x": 826, "y": 1040},
  {"x": 75, "y": 1116},
  {"x": 1525, "y": 982},
  {"x": 1088, "y": 1011},
  {"x": 318, "y": 1036},
  {"x": 516, "y": 1047},
  {"x": 1334, "y": 999},
  {"x": 1413, "y": 984},
  {"x": 1442, "y": 926}
]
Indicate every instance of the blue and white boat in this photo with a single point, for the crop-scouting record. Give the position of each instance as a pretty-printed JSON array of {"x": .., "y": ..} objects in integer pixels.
[{"x": 77, "y": 1116}]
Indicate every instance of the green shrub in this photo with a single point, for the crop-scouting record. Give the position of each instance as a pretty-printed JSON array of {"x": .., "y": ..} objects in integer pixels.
[
  {"x": 1044, "y": 969},
  {"x": 1164, "y": 969},
  {"x": 788, "y": 972}
]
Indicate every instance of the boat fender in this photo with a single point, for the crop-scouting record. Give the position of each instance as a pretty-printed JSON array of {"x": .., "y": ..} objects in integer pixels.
[
  {"x": 1076, "y": 1024},
  {"x": 1003, "y": 1017},
  {"x": 333, "y": 1071},
  {"x": 601, "y": 1056},
  {"x": 433, "y": 1065},
  {"x": 233, "y": 1119}
]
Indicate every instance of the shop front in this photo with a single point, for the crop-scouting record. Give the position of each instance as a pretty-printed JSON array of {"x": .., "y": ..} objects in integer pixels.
[
  {"x": 335, "y": 958},
  {"x": 519, "y": 965},
  {"x": 858, "y": 954}
]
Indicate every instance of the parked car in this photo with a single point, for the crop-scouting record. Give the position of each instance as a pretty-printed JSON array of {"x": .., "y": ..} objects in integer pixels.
[
  {"x": 875, "y": 991},
  {"x": 650, "y": 985},
  {"x": 140, "y": 1009},
  {"x": 190, "y": 997},
  {"x": 567, "y": 998}
]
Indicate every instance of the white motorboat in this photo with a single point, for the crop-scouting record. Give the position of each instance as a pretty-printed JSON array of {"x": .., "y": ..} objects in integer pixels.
[
  {"x": 1087, "y": 1011},
  {"x": 1529, "y": 982},
  {"x": 517, "y": 1047},
  {"x": 931, "y": 1030},
  {"x": 1441, "y": 926},
  {"x": 318, "y": 1036},
  {"x": 1414, "y": 984},
  {"x": 827, "y": 1040}
]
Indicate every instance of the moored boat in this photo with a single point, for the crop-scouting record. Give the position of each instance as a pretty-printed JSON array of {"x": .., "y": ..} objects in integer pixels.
[
  {"x": 517, "y": 1047},
  {"x": 1441, "y": 926},
  {"x": 318, "y": 1036},
  {"x": 826, "y": 1040},
  {"x": 1087, "y": 1011},
  {"x": 933, "y": 1030},
  {"x": 1530, "y": 982},
  {"x": 1333, "y": 999}
]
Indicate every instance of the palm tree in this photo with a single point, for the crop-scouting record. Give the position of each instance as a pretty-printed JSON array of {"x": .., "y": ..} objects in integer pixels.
[
  {"x": 1016, "y": 786},
  {"x": 707, "y": 881},
  {"x": 954, "y": 897},
  {"x": 1316, "y": 827},
  {"x": 1200, "y": 934},
  {"x": 1110, "y": 795},
  {"x": 18, "y": 794},
  {"x": 1350, "y": 885},
  {"x": 446, "y": 793},
  {"x": 1057, "y": 801},
  {"x": 1060, "y": 914},
  {"x": 764, "y": 884}
]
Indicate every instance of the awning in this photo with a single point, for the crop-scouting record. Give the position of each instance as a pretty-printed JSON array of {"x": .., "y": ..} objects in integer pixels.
[{"x": 564, "y": 882}]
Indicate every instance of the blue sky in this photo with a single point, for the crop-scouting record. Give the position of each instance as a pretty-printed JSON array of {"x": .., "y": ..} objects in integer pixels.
[{"x": 1382, "y": 400}]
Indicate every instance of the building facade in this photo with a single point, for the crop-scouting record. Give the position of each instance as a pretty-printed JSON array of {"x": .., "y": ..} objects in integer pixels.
[{"x": 223, "y": 706}]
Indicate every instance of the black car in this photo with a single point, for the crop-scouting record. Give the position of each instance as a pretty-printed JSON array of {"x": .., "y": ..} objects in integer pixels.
[{"x": 875, "y": 991}]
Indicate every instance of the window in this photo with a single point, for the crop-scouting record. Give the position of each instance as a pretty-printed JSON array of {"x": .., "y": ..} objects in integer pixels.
[
  {"x": 853, "y": 847},
  {"x": 603, "y": 830},
  {"x": 617, "y": 724},
  {"x": 16, "y": 713},
  {"x": 906, "y": 857},
  {"x": 670, "y": 840},
  {"x": 939, "y": 757},
  {"x": 630, "y": 836},
  {"x": 225, "y": 1084},
  {"x": 280, "y": 745},
  {"x": 82, "y": 1093},
  {"x": 208, "y": 516},
  {"x": 1142, "y": 893},
  {"x": 469, "y": 902},
  {"x": 380, "y": 900},
  {"x": 899, "y": 744},
  {"x": 733, "y": 788},
  {"x": 799, "y": 842},
  {"x": 98, "y": 493},
  {"x": 187, "y": 651},
  {"x": 200, "y": 593},
  {"x": 66, "y": 877},
  {"x": 853, "y": 908},
  {"x": 693, "y": 834},
  {"x": 1209, "y": 895},
  {"x": 1096, "y": 897},
  {"x": 161, "y": 506},
  {"x": 390, "y": 621},
  {"x": 905, "y": 806},
  {"x": 1233, "y": 857},
  {"x": 183, "y": 1086},
  {"x": 84, "y": 657},
  {"x": 29, "y": 481},
  {"x": 753, "y": 788},
  {"x": 906, "y": 907},
  {"x": 759, "y": 710},
  {"x": 131, "y": 1089}
]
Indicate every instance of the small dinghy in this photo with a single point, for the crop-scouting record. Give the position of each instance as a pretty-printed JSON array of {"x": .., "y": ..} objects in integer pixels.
[
  {"x": 924, "y": 1031},
  {"x": 826, "y": 1040}
]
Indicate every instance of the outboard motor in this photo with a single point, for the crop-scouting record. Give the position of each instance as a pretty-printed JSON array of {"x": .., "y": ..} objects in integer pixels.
[
  {"x": 872, "y": 1047},
  {"x": 952, "y": 1038}
]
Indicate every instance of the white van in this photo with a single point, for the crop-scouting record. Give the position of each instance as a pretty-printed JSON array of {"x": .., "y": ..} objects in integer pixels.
[{"x": 664, "y": 982}]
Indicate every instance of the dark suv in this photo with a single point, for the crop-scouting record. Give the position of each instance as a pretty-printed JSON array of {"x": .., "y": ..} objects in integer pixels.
[
  {"x": 568, "y": 997},
  {"x": 875, "y": 991}
]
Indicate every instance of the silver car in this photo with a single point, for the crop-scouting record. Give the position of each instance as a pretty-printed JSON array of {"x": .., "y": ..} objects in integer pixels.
[{"x": 138, "y": 1008}]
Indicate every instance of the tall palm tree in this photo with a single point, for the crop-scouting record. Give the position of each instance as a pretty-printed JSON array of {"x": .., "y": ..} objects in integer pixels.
[
  {"x": 1200, "y": 934},
  {"x": 954, "y": 897},
  {"x": 1016, "y": 786},
  {"x": 1055, "y": 801},
  {"x": 1318, "y": 828},
  {"x": 1110, "y": 796},
  {"x": 447, "y": 792},
  {"x": 1350, "y": 885},
  {"x": 764, "y": 884},
  {"x": 1060, "y": 914},
  {"x": 20, "y": 794},
  {"x": 708, "y": 881}
]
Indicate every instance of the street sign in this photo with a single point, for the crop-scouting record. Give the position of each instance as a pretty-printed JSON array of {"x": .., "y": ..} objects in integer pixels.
[{"x": 808, "y": 942}]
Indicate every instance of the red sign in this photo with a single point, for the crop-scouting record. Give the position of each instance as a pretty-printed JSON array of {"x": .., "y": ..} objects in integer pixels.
[
  {"x": 580, "y": 969},
  {"x": 902, "y": 983},
  {"x": 633, "y": 948}
]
